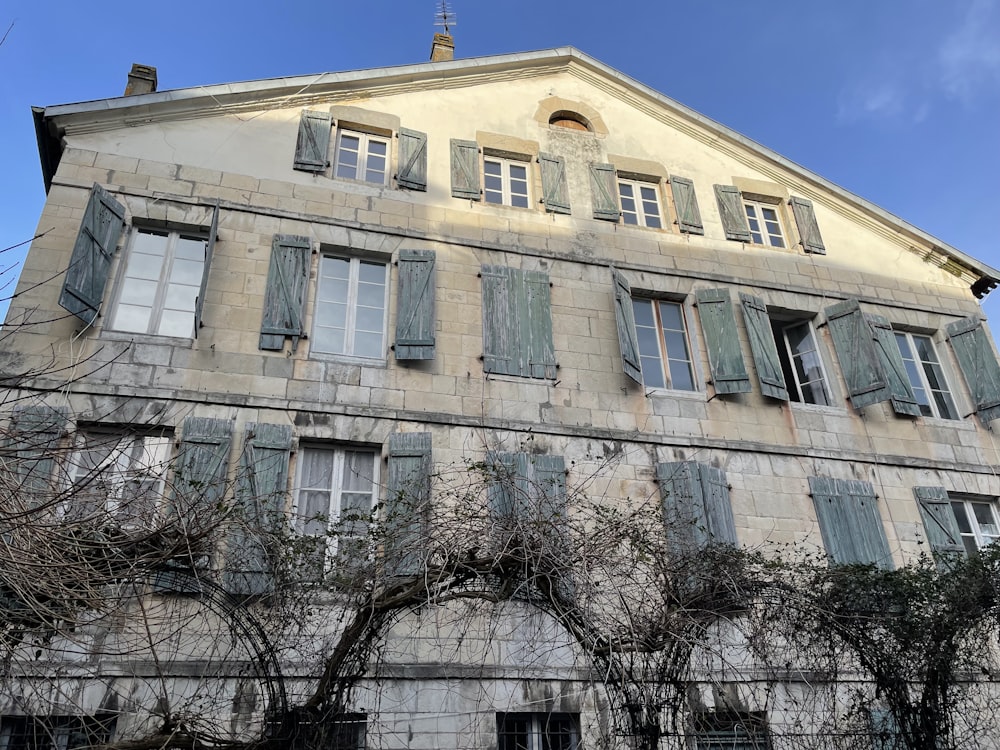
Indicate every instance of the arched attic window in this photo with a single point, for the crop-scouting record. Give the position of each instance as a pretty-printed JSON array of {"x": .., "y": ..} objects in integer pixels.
[{"x": 570, "y": 120}]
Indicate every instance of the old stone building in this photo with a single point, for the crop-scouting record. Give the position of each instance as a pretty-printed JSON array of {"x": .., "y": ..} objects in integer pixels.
[{"x": 523, "y": 280}]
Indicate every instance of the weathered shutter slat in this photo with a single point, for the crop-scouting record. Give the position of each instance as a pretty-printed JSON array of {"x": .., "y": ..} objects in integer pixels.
[
  {"x": 732, "y": 213},
  {"x": 686, "y": 205},
  {"x": 199, "y": 303},
  {"x": 718, "y": 324},
  {"x": 500, "y": 325},
  {"x": 202, "y": 463},
  {"x": 407, "y": 507},
  {"x": 849, "y": 522},
  {"x": 412, "y": 160},
  {"x": 261, "y": 491},
  {"x": 683, "y": 503},
  {"x": 313, "y": 143},
  {"x": 34, "y": 434},
  {"x": 898, "y": 382},
  {"x": 87, "y": 273},
  {"x": 465, "y": 169},
  {"x": 978, "y": 363},
  {"x": 940, "y": 526},
  {"x": 832, "y": 521},
  {"x": 549, "y": 488},
  {"x": 763, "y": 348},
  {"x": 285, "y": 295},
  {"x": 502, "y": 484},
  {"x": 870, "y": 540},
  {"x": 555, "y": 190},
  {"x": 625, "y": 318},
  {"x": 718, "y": 508},
  {"x": 415, "y": 309},
  {"x": 855, "y": 347},
  {"x": 805, "y": 219},
  {"x": 539, "y": 356},
  {"x": 604, "y": 188}
]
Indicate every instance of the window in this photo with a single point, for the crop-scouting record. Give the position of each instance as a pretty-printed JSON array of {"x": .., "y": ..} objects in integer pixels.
[
  {"x": 361, "y": 156},
  {"x": 350, "y": 307},
  {"x": 926, "y": 376},
  {"x": 160, "y": 284},
  {"x": 663, "y": 344},
  {"x": 640, "y": 203},
  {"x": 538, "y": 731},
  {"x": 764, "y": 223},
  {"x": 346, "y": 733},
  {"x": 121, "y": 473},
  {"x": 978, "y": 522},
  {"x": 54, "y": 732},
  {"x": 730, "y": 730},
  {"x": 334, "y": 497},
  {"x": 505, "y": 182},
  {"x": 800, "y": 362}
]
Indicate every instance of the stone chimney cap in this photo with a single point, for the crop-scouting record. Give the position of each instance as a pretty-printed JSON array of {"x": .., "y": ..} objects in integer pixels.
[
  {"x": 141, "y": 80},
  {"x": 442, "y": 48}
]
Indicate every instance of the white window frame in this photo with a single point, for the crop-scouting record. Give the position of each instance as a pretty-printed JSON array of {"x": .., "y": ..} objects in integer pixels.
[
  {"x": 160, "y": 296},
  {"x": 353, "y": 303},
  {"x": 506, "y": 192},
  {"x": 975, "y": 537},
  {"x": 537, "y": 724},
  {"x": 361, "y": 169},
  {"x": 335, "y": 485},
  {"x": 788, "y": 358},
  {"x": 761, "y": 236},
  {"x": 641, "y": 218},
  {"x": 663, "y": 356},
  {"x": 919, "y": 369},
  {"x": 136, "y": 457}
]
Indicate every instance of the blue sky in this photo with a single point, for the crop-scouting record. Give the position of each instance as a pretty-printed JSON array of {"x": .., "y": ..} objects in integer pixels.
[{"x": 897, "y": 101}]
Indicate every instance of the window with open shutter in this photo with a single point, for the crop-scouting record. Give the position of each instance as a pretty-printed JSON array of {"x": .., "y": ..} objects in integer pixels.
[
  {"x": 763, "y": 348},
  {"x": 517, "y": 323},
  {"x": 412, "y": 160},
  {"x": 285, "y": 295},
  {"x": 978, "y": 364},
  {"x": 406, "y": 519},
  {"x": 732, "y": 213},
  {"x": 34, "y": 433},
  {"x": 891, "y": 361},
  {"x": 415, "y": 308},
  {"x": 199, "y": 303},
  {"x": 555, "y": 191},
  {"x": 696, "y": 506},
  {"x": 850, "y": 522},
  {"x": 686, "y": 205},
  {"x": 718, "y": 324},
  {"x": 604, "y": 189},
  {"x": 940, "y": 526},
  {"x": 805, "y": 219},
  {"x": 855, "y": 346},
  {"x": 465, "y": 169},
  {"x": 313, "y": 144},
  {"x": 87, "y": 273},
  {"x": 259, "y": 516}
]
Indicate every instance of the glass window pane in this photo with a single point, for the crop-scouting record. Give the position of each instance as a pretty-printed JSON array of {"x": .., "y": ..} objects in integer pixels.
[
  {"x": 132, "y": 318},
  {"x": 372, "y": 273},
  {"x": 960, "y": 516},
  {"x": 670, "y": 313},
  {"x": 190, "y": 249},
  {"x": 680, "y": 376},
  {"x": 176, "y": 323}
]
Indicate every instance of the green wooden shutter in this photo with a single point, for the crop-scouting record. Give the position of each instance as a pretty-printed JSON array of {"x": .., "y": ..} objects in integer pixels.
[
  {"x": 555, "y": 191},
  {"x": 199, "y": 303},
  {"x": 200, "y": 470},
  {"x": 538, "y": 356},
  {"x": 855, "y": 346},
  {"x": 732, "y": 213},
  {"x": 548, "y": 474},
  {"x": 412, "y": 160},
  {"x": 718, "y": 507},
  {"x": 34, "y": 436},
  {"x": 415, "y": 308},
  {"x": 87, "y": 274},
  {"x": 718, "y": 324},
  {"x": 508, "y": 485},
  {"x": 805, "y": 219},
  {"x": 849, "y": 522},
  {"x": 683, "y": 506},
  {"x": 500, "y": 325},
  {"x": 833, "y": 522},
  {"x": 285, "y": 295},
  {"x": 686, "y": 205},
  {"x": 407, "y": 507},
  {"x": 885, "y": 730},
  {"x": 763, "y": 348},
  {"x": 869, "y": 533},
  {"x": 465, "y": 169},
  {"x": 625, "y": 317},
  {"x": 604, "y": 187},
  {"x": 940, "y": 526},
  {"x": 891, "y": 361},
  {"x": 978, "y": 364},
  {"x": 313, "y": 144},
  {"x": 261, "y": 491}
]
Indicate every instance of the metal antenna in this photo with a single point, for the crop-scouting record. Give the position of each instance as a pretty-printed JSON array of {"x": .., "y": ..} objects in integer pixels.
[{"x": 445, "y": 16}]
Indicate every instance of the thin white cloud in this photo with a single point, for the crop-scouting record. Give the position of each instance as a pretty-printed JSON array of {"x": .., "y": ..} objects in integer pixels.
[
  {"x": 871, "y": 100},
  {"x": 969, "y": 57}
]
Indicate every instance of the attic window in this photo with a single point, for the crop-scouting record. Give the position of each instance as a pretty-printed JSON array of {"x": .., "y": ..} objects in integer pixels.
[{"x": 570, "y": 121}]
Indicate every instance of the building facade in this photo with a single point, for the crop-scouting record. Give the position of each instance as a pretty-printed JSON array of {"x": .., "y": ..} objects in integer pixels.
[{"x": 401, "y": 307}]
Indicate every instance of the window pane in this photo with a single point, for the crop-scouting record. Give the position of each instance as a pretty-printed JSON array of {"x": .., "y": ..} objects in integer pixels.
[
  {"x": 372, "y": 273},
  {"x": 961, "y": 517},
  {"x": 176, "y": 323},
  {"x": 680, "y": 376},
  {"x": 190, "y": 249}
]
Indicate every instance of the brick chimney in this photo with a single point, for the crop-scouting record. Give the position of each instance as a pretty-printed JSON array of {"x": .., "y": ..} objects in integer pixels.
[
  {"x": 141, "y": 80},
  {"x": 442, "y": 48}
]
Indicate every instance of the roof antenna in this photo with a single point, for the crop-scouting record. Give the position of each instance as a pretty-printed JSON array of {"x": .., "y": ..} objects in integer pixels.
[{"x": 443, "y": 47}]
